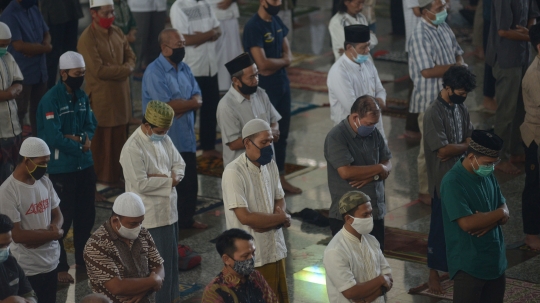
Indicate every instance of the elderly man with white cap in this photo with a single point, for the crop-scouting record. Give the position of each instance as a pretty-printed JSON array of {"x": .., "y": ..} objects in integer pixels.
[
  {"x": 30, "y": 201},
  {"x": 152, "y": 168},
  {"x": 67, "y": 124},
  {"x": 11, "y": 86},
  {"x": 254, "y": 201},
  {"x": 122, "y": 260}
]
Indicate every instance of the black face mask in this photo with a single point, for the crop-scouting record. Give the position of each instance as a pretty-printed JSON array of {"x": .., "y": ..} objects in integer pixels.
[
  {"x": 74, "y": 82},
  {"x": 272, "y": 10},
  {"x": 38, "y": 172},
  {"x": 246, "y": 89},
  {"x": 456, "y": 99},
  {"x": 177, "y": 55}
]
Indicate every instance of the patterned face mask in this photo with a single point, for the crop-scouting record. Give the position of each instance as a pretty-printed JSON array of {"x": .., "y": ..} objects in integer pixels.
[{"x": 244, "y": 268}]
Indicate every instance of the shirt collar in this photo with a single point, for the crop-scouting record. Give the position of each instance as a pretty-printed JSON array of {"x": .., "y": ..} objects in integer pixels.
[
  {"x": 349, "y": 130},
  {"x": 429, "y": 24},
  {"x": 141, "y": 133},
  {"x": 110, "y": 230},
  {"x": 236, "y": 95},
  {"x": 350, "y": 236},
  {"x": 167, "y": 65},
  {"x": 250, "y": 164},
  {"x": 100, "y": 29},
  {"x": 440, "y": 99}
]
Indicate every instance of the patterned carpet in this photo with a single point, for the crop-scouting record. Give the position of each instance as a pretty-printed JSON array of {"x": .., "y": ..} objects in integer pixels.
[
  {"x": 405, "y": 245},
  {"x": 214, "y": 167},
  {"x": 302, "y": 78}
]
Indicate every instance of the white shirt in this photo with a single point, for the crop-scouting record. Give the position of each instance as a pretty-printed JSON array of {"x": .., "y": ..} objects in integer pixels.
[
  {"x": 347, "y": 81},
  {"x": 337, "y": 30},
  {"x": 188, "y": 17},
  {"x": 9, "y": 121},
  {"x": 245, "y": 185},
  {"x": 144, "y": 6},
  {"x": 140, "y": 157},
  {"x": 234, "y": 111},
  {"x": 349, "y": 261},
  {"x": 231, "y": 12},
  {"x": 31, "y": 206}
]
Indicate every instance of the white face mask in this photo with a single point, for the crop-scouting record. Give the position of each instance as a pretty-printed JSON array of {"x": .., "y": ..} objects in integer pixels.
[
  {"x": 129, "y": 233},
  {"x": 362, "y": 226}
]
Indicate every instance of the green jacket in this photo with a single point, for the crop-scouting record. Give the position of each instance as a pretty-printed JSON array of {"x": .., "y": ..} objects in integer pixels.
[{"x": 58, "y": 115}]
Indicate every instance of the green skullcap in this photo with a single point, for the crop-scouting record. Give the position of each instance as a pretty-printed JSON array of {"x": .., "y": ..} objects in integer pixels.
[
  {"x": 159, "y": 114},
  {"x": 351, "y": 200}
]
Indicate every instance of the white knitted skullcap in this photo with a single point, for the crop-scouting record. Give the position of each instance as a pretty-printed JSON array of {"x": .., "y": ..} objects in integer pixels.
[
  {"x": 255, "y": 126},
  {"x": 70, "y": 60},
  {"x": 5, "y": 33},
  {"x": 34, "y": 147},
  {"x": 97, "y": 3},
  {"x": 129, "y": 205}
]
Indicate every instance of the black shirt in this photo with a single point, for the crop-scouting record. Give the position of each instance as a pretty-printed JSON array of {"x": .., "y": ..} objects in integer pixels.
[{"x": 13, "y": 281}]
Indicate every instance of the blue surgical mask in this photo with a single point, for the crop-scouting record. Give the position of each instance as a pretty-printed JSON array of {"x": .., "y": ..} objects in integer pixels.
[
  {"x": 439, "y": 17},
  {"x": 3, "y": 51},
  {"x": 4, "y": 254},
  {"x": 360, "y": 58},
  {"x": 267, "y": 153},
  {"x": 155, "y": 137},
  {"x": 364, "y": 131},
  {"x": 483, "y": 170}
]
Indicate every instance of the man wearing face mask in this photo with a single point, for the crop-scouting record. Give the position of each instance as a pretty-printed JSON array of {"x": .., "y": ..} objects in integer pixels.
[
  {"x": 14, "y": 286},
  {"x": 121, "y": 256},
  {"x": 243, "y": 102},
  {"x": 109, "y": 63},
  {"x": 358, "y": 157},
  {"x": 432, "y": 48},
  {"x": 473, "y": 210},
  {"x": 353, "y": 75},
  {"x": 30, "y": 201},
  {"x": 447, "y": 131},
  {"x": 254, "y": 201},
  {"x": 356, "y": 269},
  {"x": 153, "y": 168},
  {"x": 238, "y": 280},
  {"x": 67, "y": 124}
]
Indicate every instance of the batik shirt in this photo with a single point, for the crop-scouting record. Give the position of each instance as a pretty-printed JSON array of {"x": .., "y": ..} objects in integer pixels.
[{"x": 228, "y": 288}]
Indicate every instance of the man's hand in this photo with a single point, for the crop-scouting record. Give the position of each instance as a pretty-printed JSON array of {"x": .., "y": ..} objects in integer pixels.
[
  {"x": 382, "y": 103},
  {"x": 275, "y": 134},
  {"x": 385, "y": 172},
  {"x": 132, "y": 36},
  {"x": 87, "y": 144},
  {"x": 175, "y": 179},
  {"x": 224, "y": 4},
  {"x": 388, "y": 282},
  {"x": 47, "y": 47},
  {"x": 14, "y": 299},
  {"x": 506, "y": 217},
  {"x": 483, "y": 231},
  {"x": 15, "y": 90},
  {"x": 157, "y": 280},
  {"x": 287, "y": 58},
  {"x": 286, "y": 217},
  {"x": 58, "y": 232},
  {"x": 361, "y": 183},
  {"x": 157, "y": 176},
  {"x": 522, "y": 30},
  {"x": 217, "y": 34},
  {"x": 134, "y": 299},
  {"x": 341, "y": 51},
  {"x": 74, "y": 138},
  {"x": 196, "y": 102},
  {"x": 442, "y": 157}
]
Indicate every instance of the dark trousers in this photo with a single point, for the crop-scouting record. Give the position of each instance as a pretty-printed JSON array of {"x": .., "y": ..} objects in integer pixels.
[
  {"x": 187, "y": 192},
  {"x": 397, "y": 17},
  {"x": 530, "y": 210},
  {"x": 489, "y": 80},
  {"x": 45, "y": 286},
  {"x": 207, "y": 125},
  {"x": 149, "y": 25},
  {"x": 436, "y": 257},
  {"x": 76, "y": 193},
  {"x": 280, "y": 98},
  {"x": 9, "y": 153},
  {"x": 63, "y": 39},
  {"x": 468, "y": 289},
  {"x": 378, "y": 229},
  {"x": 30, "y": 95}
]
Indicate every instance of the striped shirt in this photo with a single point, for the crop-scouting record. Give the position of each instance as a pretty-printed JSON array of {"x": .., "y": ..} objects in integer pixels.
[
  {"x": 428, "y": 47},
  {"x": 9, "y": 121}
]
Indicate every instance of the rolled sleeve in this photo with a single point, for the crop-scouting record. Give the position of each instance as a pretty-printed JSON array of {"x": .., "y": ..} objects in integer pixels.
[
  {"x": 179, "y": 20},
  {"x": 336, "y": 150},
  {"x": 234, "y": 188},
  {"x": 338, "y": 270},
  {"x": 252, "y": 37},
  {"x": 434, "y": 131}
]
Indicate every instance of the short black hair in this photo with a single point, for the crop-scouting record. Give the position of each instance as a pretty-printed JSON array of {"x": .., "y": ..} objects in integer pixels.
[
  {"x": 20, "y": 159},
  {"x": 427, "y": 6},
  {"x": 364, "y": 105},
  {"x": 341, "y": 7},
  {"x": 534, "y": 35},
  {"x": 225, "y": 241},
  {"x": 459, "y": 77},
  {"x": 144, "y": 121},
  {"x": 6, "y": 225}
]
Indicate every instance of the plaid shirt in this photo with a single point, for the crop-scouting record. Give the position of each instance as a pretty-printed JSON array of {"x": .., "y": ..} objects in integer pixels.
[{"x": 429, "y": 46}]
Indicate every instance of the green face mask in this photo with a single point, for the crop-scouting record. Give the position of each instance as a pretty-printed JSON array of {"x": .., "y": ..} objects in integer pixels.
[
  {"x": 3, "y": 51},
  {"x": 483, "y": 170}
]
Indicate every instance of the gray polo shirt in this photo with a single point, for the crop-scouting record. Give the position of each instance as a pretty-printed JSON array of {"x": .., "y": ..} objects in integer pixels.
[
  {"x": 234, "y": 111},
  {"x": 443, "y": 124},
  {"x": 344, "y": 147},
  {"x": 506, "y": 15}
]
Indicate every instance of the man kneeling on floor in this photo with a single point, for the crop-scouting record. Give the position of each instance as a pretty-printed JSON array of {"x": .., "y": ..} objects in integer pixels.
[
  {"x": 121, "y": 258},
  {"x": 238, "y": 281},
  {"x": 356, "y": 269}
]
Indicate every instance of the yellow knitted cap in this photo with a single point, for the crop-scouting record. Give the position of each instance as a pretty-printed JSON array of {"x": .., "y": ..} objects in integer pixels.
[{"x": 159, "y": 114}]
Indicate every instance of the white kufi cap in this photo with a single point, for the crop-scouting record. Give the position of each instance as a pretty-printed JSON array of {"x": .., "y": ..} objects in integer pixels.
[
  {"x": 255, "y": 126},
  {"x": 34, "y": 147},
  {"x": 70, "y": 60},
  {"x": 129, "y": 205},
  {"x": 97, "y": 3},
  {"x": 5, "y": 33}
]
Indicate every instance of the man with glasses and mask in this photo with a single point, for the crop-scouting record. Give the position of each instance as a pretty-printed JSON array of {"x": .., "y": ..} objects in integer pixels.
[
  {"x": 238, "y": 281},
  {"x": 447, "y": 131},
  {"x": 358, "y": 158},
  {"x": 254, "y": 201},
  {"x": 153, "y": 167},
  {"x": 243, "y": 102},
  {"x": 170, "y": 80},
  {"x": 353, "y": 75},
  {"x": 67, "y": 124},
  {"x": 433, "y": 49},
  {"x": 109, "y": 63},
  {"x": 122, "y": 260},
  {"x": 30, "y": 201},
  {"x": 473, "y": 210}
]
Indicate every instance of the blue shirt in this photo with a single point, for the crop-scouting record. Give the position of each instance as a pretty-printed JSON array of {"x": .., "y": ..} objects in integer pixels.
[
  {"x": 162, "y": 82},
  {"x": 268, "y": 36},
  {"x": 28, "y": 26}
]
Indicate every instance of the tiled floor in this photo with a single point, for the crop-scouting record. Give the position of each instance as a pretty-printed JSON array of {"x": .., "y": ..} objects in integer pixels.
[{"x": 308, "y": 130}]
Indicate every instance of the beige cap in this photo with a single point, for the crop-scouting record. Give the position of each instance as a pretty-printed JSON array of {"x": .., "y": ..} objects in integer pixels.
[
  {"x": 255, "y": 126},
  {"x": 129, "y": 205},
  {"x": 70, "y": 60},
  {"x": 5, "y": 33},
  {"x": 98, "y": 3},
  {"x": 34, "y": 147}
]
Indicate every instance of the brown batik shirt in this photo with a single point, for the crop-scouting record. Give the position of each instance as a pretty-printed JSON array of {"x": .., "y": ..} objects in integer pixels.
[{"x": 107, "y": 256}]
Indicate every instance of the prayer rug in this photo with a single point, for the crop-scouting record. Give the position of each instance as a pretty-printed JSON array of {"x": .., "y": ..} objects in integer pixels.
[
  {"x": 392, "y": 56},
  {"x": 405, "y": 245},
  {"x": 516, "y": 291},
  {"x": 214, "y": 167},
  {"x": 398, "y": 108},
  {"x": 188, "y": 290},
  {"x": 301, "y": 57},
  {"x": 300, "y": 107},
  {"x": 303, "y": 78}
]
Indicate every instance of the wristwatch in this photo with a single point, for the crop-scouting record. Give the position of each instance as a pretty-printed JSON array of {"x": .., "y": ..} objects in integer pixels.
[
  {"x": 383, "y": 291},
  {"x": 376, "y": 177}
]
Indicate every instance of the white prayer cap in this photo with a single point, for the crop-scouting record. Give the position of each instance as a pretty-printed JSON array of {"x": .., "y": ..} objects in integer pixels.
[
  {"x": 5, "y": 33},
  {"x": 255, "y": 126},
  {"x": 70, "y": 60},
  {"x": 97, "y": 3},
  {"x": 34, "y": 147},
  {"x": 129, "y": 205}
]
